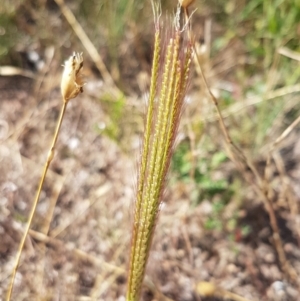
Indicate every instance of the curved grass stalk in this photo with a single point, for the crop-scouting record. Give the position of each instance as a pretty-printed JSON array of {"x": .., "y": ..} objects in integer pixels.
[
  {"x": 71, "y": 86},
  {"x": 35, "y": 202}
]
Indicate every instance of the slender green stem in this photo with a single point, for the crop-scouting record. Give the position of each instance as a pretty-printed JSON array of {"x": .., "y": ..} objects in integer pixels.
[{"x": 34, "y": 205}]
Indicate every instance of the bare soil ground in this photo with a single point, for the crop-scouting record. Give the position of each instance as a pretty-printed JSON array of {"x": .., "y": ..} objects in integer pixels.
[{"x": 80, "y": 238}]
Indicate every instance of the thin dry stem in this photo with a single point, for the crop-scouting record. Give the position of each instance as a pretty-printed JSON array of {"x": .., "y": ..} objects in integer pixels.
[
  {"x": 12, "y": 71},
  {"x": 289, "y": 53},
  {"x": 35, "y": 202},
  {"x": 285, "y": 133}
]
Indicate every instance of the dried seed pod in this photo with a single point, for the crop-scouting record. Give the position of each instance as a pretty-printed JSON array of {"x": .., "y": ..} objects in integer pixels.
[{"x": 71, "y": 82}]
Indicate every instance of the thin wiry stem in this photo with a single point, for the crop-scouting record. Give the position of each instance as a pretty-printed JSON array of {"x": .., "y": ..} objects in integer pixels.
[{"x": 35, "y": 202}]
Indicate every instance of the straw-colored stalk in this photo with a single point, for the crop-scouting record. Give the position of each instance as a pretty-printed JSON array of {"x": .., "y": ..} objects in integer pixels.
[
  {"x": 169, "y": 78},
  {"x": 71, "y": 86}
]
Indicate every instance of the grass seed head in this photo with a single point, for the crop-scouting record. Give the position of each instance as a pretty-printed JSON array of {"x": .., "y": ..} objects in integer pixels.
[{"x": 71, "y": 82}]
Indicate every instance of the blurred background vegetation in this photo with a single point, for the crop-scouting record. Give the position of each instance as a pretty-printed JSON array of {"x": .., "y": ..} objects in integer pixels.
[
  {"x": 250, "y": 53},
  {"x": 242, "y": 44}
]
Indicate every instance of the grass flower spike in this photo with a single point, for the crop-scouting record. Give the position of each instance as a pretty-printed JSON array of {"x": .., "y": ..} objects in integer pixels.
[
  {"x": 169, "y": 78},
  {"x": 71, "y": 82}
]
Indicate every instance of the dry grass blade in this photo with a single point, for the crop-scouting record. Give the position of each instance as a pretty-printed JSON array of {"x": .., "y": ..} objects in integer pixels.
[
  {"x": 12, "y": 71},
  {"x": 289, "y": 53}
]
